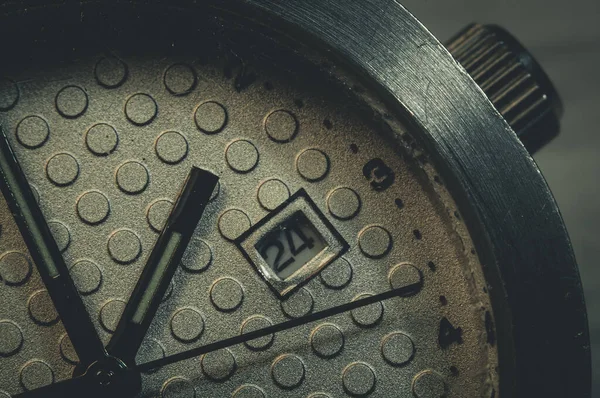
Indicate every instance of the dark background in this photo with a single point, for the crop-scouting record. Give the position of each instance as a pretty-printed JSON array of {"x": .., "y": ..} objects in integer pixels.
[{"x": 564, "y": 36}]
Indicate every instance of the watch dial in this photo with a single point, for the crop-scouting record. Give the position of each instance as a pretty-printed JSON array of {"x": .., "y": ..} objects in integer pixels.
[{"x": 323, "y": 199}]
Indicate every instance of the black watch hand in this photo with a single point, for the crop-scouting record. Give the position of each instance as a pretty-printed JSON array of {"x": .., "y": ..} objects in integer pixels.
[
  {"x": 161, "y": 265},
  {"x": 47, "y": 257},
  {"x": 280, "y": 327},
  {"x": 105, "y": 378}
]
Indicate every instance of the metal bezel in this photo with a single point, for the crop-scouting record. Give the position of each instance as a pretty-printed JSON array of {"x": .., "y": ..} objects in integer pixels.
[{"x": 519, "y": 234}]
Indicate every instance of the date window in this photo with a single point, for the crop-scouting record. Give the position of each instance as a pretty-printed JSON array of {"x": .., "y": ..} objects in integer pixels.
[{"x": 292, "y": 244}]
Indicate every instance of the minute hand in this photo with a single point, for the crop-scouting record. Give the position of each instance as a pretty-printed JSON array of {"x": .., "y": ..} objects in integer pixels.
[
  {"x": 161, "y": 265},
  {"x": 47, "y": 257},
  {"x": 280, "y": 327}
]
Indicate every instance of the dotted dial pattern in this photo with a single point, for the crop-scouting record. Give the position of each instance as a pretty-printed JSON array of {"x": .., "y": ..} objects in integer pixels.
[{"x": 106, "y": 150}]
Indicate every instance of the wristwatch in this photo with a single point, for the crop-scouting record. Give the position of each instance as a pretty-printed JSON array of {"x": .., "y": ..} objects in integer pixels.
[{"x": 261, "y": 198}]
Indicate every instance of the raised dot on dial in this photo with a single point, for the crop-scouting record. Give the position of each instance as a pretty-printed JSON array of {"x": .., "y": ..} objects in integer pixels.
[
  {"x": 124, "y": 246},
  {"x": 132, "y": 177},
  {"x": 150, "y": 350},
  {"x": 157, "y": 214},
  {"x": 429, "y": 384},
  {"x": 180, "y": 79},
  {"x": 178, "y": 387},
  {"x": 9, "y": 94},
  {"x": 397, "y": 349},
  {"x": 36, "y": 374},
  {"x": 226, "y": 294},
  {"x": 211, "y": 117},
  {"x": 197, "y": 257},
  {"x": 272, "y": 193},
  {"x": 93, "y": 207},
  {"x": 218, "y": 365},
  {"x": 110, "y": 72},
  {"x": 11, "y": 338},
  {"x": 343, "y": 203},
  {"x": 87, "y": 277},
  {"x": 71, "y": 102},
  {"x": 337, "y": 275},
  {"x": 36, "y": 193},
  {"x": 281, "y": 126},
  {"x": 367, "y": 316},
  {"x": 110, "y": 314},
  {"x": 61, "y": 234},
  {"x": 102, "y": 139},
  {"x": 358, "y": 379},
  {"x": 187, "y": 325},
  {"x": 41, "y": 309},
  {"x": 141, "y": 109},
  {"x": 242, "y": 156},
  {"x": 252, "y": 324},
  {"x": 406, "y": 276},
  {"x": 15, "y": 268},
  {"x": 298, "y": 304},
  {"x": 375, "y": 242},
  {"x": 171, "y": 147},
  {"x": 67, "y": 351},
  {"x": 248, "y": 391},
  {"x": 62, "y": 169},
  {"x": 327, "y": 340},
  {"x": 232, "y": 223},
  {"x": 32, "y": 132},
  {"x": 312, "y": 165},
  {"x": 288, "y": 371}
]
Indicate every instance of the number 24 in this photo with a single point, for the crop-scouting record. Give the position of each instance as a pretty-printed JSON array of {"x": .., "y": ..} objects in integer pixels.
[{"x": 307, "y": 243}]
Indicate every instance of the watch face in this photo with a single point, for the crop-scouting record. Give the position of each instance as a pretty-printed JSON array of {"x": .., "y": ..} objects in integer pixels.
[{"x": 322, "y": 199}]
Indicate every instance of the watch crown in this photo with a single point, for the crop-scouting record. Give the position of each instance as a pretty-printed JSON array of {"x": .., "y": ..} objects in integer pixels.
[{"x": 513, "y": 81}]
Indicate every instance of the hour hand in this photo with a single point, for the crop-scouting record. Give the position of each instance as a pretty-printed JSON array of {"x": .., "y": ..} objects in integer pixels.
[
  {"x": 47, "y": 257},
  {"x": 161, "y": 264}
]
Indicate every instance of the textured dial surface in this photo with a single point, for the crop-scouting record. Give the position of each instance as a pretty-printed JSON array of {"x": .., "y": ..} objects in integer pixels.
[{"x": 107, "y": 142}]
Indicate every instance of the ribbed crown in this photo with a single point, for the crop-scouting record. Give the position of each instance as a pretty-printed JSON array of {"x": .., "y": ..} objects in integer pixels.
[{"x": 513, "y": 81}]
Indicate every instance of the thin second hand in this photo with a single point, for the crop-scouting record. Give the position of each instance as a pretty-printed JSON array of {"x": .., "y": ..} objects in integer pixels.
[{"x": 280, "y": 327}]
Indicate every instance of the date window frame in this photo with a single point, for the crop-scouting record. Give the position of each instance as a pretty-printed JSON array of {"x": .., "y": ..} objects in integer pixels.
[{"x": 300, "y": 202}]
